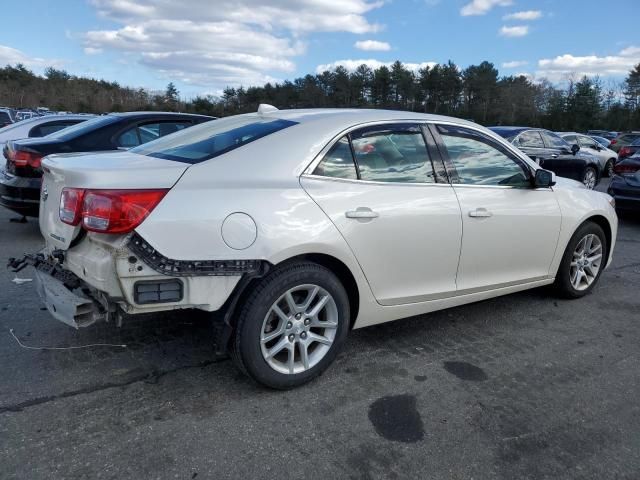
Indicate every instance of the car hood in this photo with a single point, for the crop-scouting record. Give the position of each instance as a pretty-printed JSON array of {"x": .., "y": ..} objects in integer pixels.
[{"x": 567, "y": 183}]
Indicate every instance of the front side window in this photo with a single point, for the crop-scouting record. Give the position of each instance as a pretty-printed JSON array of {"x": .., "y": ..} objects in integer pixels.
[
  {"x": 397, "y": 154},
  {"x": 587, "y": 142},
  {"x": 480, "y": 161},
  {"x": 530, "y": 139},
  {"x": 338, "y": 162},
  {"x": 554, "y": 141}
]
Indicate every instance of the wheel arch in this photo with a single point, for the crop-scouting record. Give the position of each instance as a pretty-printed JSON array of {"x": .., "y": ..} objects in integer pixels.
[
  {"x": 603, "y": 223},
  {"x": 339, "y": 269}
]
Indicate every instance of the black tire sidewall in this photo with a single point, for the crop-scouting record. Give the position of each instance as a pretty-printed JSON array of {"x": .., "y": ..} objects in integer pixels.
[
  {"x": 247, "y": 341},
  {"x": 563, "y": 277}
]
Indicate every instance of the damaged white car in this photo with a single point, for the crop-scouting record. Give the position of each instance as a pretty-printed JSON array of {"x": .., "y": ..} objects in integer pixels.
[{"x": 293, "y": 227}]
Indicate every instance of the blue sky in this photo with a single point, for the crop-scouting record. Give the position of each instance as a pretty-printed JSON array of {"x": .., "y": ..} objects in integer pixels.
[{"x": 205, "y": 45}]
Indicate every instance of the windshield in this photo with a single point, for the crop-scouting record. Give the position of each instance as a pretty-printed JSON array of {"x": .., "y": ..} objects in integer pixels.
[
  {"x": 212, "y": 139},
  {"x": 83, "y": 127}
]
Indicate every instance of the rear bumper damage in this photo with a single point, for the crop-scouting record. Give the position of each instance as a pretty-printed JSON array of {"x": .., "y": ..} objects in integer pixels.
[{"x": 104, "y": 276}]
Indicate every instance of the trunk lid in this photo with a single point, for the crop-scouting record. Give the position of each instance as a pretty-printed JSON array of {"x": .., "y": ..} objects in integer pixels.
[{"x": 102, "y": 171}]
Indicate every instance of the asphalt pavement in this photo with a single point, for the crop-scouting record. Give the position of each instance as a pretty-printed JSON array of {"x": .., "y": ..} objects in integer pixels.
[{"x": 523, "y": 386}]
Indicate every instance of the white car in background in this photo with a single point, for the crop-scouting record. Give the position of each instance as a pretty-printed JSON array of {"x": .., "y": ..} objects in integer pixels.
[
  {"x": 39, "y": 126},
  {"x": 605, "y": 156},
  {"x": 296, "y": 226}
]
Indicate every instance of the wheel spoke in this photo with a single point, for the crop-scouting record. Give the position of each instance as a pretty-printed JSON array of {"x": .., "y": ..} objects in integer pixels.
[
  {"x": 594, "y": 258},
  {"x": 319, "y": 306},
  {"x": 274, "y": 334},
  {"x": 304, "y": 354},
  {"x": 278, "y": 311},
  {"x": 314, "y": 337},
  {"x": 291, "y": 361},
  {"x": 587, "y": 243},
  {"x": 277, "y": 348},
  {"x": 310, "y": 298},
  {"x": 291, "y": 303}
]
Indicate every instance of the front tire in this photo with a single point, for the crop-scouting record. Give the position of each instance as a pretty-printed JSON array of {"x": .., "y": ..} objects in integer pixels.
[
  {"x": 583, "y": 262},
  {"x": 590, "y": 178},
  {"x": 291, "y": 326}
]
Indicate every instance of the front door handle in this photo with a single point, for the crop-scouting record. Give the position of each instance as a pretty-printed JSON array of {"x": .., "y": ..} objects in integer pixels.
[
  {"x": 361, "y": 213},
  {"x": 480, "y": 213},
  {"x": 554, "y": 155}
]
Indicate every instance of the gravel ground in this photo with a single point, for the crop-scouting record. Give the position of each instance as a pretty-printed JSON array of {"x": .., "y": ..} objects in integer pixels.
[{"x": 523, "y": 386}]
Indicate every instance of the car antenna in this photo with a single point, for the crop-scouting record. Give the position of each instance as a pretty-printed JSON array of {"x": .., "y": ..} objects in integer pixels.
[{"x": 266, "y": 108}]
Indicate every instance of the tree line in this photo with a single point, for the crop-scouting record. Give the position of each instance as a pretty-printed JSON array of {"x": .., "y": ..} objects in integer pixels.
[{"x": 477, "y": 93}]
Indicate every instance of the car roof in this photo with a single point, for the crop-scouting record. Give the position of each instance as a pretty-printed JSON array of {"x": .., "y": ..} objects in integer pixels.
[
  {"x": 342, "y": 118},
  {"x": 152, "y": 113}
]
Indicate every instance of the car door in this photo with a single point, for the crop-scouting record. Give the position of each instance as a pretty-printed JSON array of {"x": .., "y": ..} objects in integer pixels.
[
  {"x": 559, "y": 158},
  {"x": 510, "y": 229},
  {"x": 399, "y": 217}
]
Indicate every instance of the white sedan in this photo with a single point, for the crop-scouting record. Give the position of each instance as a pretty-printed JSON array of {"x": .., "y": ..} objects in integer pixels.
[{"x": 293, "y": 227}]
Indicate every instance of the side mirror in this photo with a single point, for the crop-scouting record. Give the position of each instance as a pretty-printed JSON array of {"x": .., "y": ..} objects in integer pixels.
[
  {"x": 544, "y": 179},
  {"x": 575, "y": 148}
]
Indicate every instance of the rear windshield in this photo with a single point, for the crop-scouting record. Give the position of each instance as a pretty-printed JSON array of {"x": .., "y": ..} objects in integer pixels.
[
  {"x": 83, "y": 127},
  {"x": 212, "y": 139}
]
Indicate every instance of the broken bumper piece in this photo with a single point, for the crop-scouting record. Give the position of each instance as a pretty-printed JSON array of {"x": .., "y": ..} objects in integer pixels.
[{"x": 69, "y": 307}]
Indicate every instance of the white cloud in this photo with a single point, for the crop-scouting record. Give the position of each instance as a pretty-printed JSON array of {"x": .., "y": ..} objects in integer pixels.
[
  {"x": 524, "y": 16},
  {"x": 230, "y": 43},
  {"x": 514, "y": 64},
  {"x": 515, "y": 31},
  {"x": 372, "y": 45},
  {"x": 12, "y": 56},
  {"x": 481, "y": 7},
  {"x": 563, "y": 66},
  {"x": 92, "y": 50},
  {"x": 352, "y": 64}
]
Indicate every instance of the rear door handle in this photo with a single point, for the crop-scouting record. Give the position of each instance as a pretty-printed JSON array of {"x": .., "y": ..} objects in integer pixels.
[
  {"x": 480, "y": 213},
  {"x": 361, "y": 213}
]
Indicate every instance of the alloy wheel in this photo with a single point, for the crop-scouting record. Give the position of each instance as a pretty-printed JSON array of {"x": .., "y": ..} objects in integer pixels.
[
  {"x": 299, "y": 329},
  {"x": 586, "y": 262},
  {"x": 589, "y": 179}
]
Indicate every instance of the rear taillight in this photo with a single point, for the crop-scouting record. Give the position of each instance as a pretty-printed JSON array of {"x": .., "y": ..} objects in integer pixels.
[
  {"x": 22, "y": 158},
  {"x": 625, "y": 168},
  {"x": 118, "y": 211},
  {"x": 71, "y": 205},
  {"x": 613, "y": 142},
  {"x": 108, "y": 211}
]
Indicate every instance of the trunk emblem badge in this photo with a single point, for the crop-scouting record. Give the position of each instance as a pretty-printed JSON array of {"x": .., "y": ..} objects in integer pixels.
[{"x": 45, "y": 193}]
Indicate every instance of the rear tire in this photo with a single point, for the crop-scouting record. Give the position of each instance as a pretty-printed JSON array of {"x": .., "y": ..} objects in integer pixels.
[
  {"x": 291, "y": 326},
  {"x": 583, "y": 262},
  {"x": 608, "y": 168}
]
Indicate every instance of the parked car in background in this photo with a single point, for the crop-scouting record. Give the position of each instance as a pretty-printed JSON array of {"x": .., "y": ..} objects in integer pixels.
[
  {"x": 6, "y": 117},
  {"x": 629, "y": 150},
  {"x": 606, "y": 156},
  {"x": 609, "y": 135},
  {"x": 605, "y": 142},
  {"x": 268, "y": 219},
  {"x": 20, "y": 179},
  {"x": 624, "y": 139},
  {"x": 625, "y": 184},
  {"x": 39, "y": 127},
  {"x": 554, "y": 153}
]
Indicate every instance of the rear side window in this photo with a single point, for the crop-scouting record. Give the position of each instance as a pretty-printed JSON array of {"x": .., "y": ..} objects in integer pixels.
[
  {"x": 212, "y": 139},
  {"x": 148, "y": 132},
  {"x": 396, "y": 155},
  {"x": 338, "y": 162},
  {"x": 79, "y": 129},
  {"x": 45, "y": 129},
  {"x": 531, "y": 139}
]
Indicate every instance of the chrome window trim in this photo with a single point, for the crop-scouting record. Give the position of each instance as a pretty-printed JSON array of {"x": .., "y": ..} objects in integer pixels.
[
  {"x": 372, "y": 182},
  {"x": 481, "y": 130}
]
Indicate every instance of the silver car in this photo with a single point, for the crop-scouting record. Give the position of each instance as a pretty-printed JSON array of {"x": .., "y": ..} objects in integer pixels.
[{"x": 605, "y": 156}]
